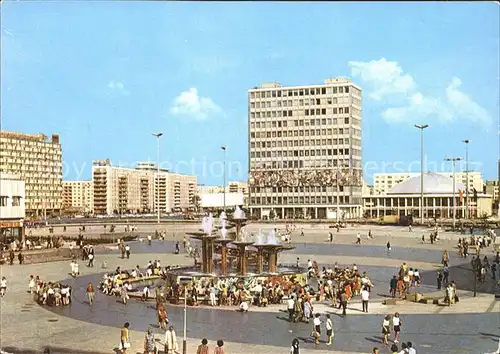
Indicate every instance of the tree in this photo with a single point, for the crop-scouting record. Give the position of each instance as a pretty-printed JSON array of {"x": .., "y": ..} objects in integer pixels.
[{"x": 272, "y": 214}]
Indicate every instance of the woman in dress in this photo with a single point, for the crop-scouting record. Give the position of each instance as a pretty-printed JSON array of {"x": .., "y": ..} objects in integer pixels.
[
  {"x": 396, "y": 323},
  {"x": 149, "y": 343},
  {"x": 307, "y": 311},
  {"x": 386, "y": 331},
  {"x": 124, "y": 338}
]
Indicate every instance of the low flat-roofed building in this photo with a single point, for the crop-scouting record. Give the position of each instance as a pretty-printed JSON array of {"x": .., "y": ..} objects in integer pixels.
[{"x": 405, "y": 198}]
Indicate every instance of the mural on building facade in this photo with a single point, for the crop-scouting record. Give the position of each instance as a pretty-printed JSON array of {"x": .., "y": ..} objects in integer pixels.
[{"x": 296, "y": 178}]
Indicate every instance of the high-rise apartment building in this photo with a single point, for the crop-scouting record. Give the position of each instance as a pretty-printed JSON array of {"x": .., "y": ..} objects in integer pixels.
[
  {"x": 38, "y": 162},
  {"x": 384, "y": 182},
  {"x": 119, "y": 190},
  {"x": 305, "y": 150},
  {"x": 78, "y": 196}
]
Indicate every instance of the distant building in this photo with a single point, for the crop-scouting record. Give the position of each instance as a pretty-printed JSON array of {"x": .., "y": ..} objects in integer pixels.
[
  {"x": 78, "y": 197},
  {"x": 12, "y": 207},
  {"x": 384, "y": 182},
  {"x": 119, "y": 190},
  {"x": 37, "y": 160},
  {"x": 404, "y": 199},
  {"x": 236, "y": 194},
  {"x": 493, "y": 188}
]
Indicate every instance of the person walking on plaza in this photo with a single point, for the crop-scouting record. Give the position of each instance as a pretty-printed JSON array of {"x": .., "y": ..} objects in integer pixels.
[
  {"x": 124, "y": 294},
  {"x": 124, "y": 338},
  {"x": 91, "y": 259},
  {"x": 329, "y": 329},
  {"x": 90, "y": 293},
  {"x": 358, "y": 239},
  {"x": 127, "y": 251},
  {"x": 316, "y": 329},
  {"x": 439, "y": 280},
  {"x": 203, "y": 347},
  {"x": 393, "y": 286},
  {"x": 396, "y": 325},
  {"x": 11, "y": 257},
  {"x": 388, "y": 247},
  {"x": 290, "y": 307},
  {"x": 446, "y": 275},
  {"x": 343, "y": 302},
  {"x": 294, "y": 349},
  {"x": 365, "y": 297},
  {"x": 149, "y": 342},
  {"x": 3, "y": 286},
  {"x": 386, "y": 330},
  {"x": 20, "y": 257},
  {"x": 171, "y": 345}
]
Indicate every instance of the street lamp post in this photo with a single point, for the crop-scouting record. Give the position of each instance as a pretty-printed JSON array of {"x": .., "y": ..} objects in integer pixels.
[
  {"x": 453, "y": 161},
  {"x": 466, "y": 141},
  {"x": 158, "y": 136},
  {"x": 184, "y": 339},
  {"x": 223, "y": 148},
  {"x": 422, "y": 127}
]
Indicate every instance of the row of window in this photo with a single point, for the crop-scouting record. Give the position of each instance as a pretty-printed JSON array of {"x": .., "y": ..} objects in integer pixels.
[
  {"x": 304, "y": 123},
  {"x": 296, "y": 153},
  {"x": 330, "y": 200},
  {"x": 301, "y": 113},
  {"x": 305, "y": 132},
  {"x": 268, "y": 165},
  {"x": 303, "y": 142},
  {"x": 4, "y": 201},
  {"x": 301, "y": 103},
  {"x": 303, "y": 92}
]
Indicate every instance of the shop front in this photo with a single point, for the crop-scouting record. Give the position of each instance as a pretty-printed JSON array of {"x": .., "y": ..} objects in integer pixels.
[{"x": 11, "y": 230}]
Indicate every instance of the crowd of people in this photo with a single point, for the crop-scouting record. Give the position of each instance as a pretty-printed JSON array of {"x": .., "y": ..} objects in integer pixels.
[{"x": 49, "y": 293}]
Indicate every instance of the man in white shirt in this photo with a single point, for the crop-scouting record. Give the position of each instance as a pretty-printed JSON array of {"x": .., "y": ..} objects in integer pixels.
[
  {"x": 290, "y": 304},
  {"x": 365, "y": 296},
  {"x": 358, "y": 239},
  {"x": 411, "y": 350}
]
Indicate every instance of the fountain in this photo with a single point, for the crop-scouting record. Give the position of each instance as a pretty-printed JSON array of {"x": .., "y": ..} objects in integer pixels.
[
  {"x": 271, "y": 246},
  {"x": 249, "y": 252},
  {"x": 207, "y": 238}
]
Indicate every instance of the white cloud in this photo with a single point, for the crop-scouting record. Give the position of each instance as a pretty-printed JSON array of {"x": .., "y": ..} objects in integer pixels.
[
  {"x": 386, "y": 80},
  {"x": 118, "y": 87},
  {"x": 190, "y": 104},
  {"x": 385, "y": 77}
]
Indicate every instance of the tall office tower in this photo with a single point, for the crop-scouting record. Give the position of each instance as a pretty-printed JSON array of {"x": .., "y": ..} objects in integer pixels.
[
  {"x": 38, "y": 162},
  {"x": 305, "y": 150}
]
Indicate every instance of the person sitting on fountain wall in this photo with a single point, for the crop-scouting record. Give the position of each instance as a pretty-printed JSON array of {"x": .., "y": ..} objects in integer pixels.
[{"x": 243, "y": 307}]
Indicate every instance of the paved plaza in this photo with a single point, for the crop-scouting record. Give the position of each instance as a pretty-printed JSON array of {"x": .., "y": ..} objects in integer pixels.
[{"x": 470, "y": 326}]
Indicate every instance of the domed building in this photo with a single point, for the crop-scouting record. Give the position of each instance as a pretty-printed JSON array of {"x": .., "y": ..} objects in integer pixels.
[{"x": 404, "y": 199}]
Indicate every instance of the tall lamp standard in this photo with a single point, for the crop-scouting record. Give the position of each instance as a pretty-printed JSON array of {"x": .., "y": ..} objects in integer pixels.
[
  {"x": 453, "y": 161},
  {"x": 422, "y": 127},
  {"x": 158, "y": 136},
  {"x": 466, "y": 141},
  {"x": 223, "y": 148}
]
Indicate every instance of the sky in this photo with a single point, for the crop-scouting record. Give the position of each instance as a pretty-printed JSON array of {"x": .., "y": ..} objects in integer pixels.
[{"x": 106, "y": 75}]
